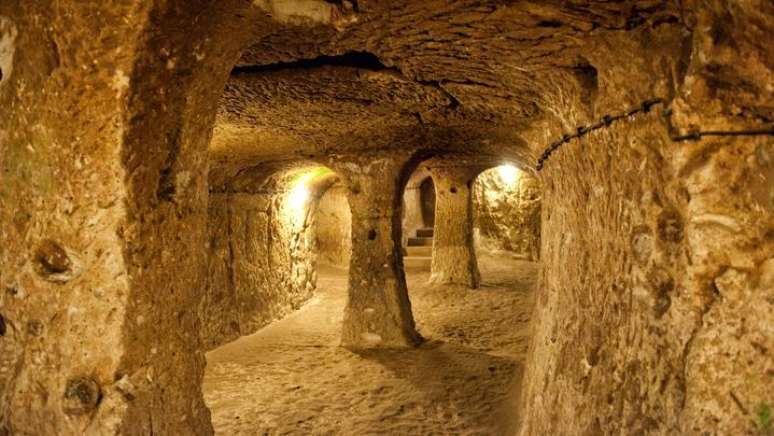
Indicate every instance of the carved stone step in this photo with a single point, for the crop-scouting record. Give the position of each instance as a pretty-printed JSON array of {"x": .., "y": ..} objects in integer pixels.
[
  {"x": 425, "y": 233},
  {"x": 421, "y": 251},
  {"x": 416, "y": 262},
  {"x": 420, "y": 242}
]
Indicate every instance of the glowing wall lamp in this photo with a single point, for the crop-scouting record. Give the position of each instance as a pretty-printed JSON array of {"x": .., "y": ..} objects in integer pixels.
[
  {"x": 299, "y": 195},
  {"x": 509, "y": 174}
]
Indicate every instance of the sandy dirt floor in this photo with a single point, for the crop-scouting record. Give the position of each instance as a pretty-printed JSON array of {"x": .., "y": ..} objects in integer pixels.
[{"x": 292, "y": 378}]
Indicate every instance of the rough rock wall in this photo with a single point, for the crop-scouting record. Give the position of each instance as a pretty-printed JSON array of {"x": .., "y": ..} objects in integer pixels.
[
  {"x": 102, "y": 188},
  {"x": 333, "y": 227},
  {"x": 261, "y": 263},
  {"x": 454, "y": 255},
  {"x": 378, "y": 311},
  {"x": 656, "y": 304},
  {"x": 63, "y": 275},
  {"x": 507, "y": 214}
]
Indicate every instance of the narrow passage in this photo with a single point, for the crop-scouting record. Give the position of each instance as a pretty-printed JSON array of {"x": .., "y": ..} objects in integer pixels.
[{"x": 291, "y": 377}]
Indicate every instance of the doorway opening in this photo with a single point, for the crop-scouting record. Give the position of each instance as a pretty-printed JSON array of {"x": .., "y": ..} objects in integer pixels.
[
  {"x": 418, "y": 219},
  {"x": 427, "y": 202}
]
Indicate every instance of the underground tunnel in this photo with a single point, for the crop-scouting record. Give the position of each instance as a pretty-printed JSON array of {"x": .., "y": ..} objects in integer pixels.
[{"x": 310, "y": 217}]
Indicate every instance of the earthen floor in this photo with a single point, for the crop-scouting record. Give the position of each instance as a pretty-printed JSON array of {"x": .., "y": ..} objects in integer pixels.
[{"x": 291, "y": 377}]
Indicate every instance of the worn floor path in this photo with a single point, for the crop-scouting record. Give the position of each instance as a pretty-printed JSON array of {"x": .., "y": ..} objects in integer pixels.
[{"x": 291, "y": 378}]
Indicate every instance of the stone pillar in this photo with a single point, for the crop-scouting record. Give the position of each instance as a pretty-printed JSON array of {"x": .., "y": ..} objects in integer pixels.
[
  {"x": 378, "y": 312},
  {"x": 454, "y": 256},
  {"x": 103, "y": 194}
]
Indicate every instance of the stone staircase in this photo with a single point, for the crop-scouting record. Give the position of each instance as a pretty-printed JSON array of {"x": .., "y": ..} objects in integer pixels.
[{"x": 419, "y": 249}]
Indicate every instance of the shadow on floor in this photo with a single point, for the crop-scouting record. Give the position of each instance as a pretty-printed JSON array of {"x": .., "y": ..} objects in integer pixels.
[{"x": 450, "y": 373}]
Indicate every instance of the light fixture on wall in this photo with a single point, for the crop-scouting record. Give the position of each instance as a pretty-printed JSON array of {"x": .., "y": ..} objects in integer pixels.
[
  {"x": 299, "y": 195},
  {"x": 508, "y": 173}
]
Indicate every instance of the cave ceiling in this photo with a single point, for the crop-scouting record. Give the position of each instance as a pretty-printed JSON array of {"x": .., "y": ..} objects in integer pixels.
[{"x": 337, "y": 77}]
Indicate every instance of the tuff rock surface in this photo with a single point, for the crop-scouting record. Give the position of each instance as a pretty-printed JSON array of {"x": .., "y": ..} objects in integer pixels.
[
  {"x": 506, "y": 212},
  {"x": 124, "y": 124}
]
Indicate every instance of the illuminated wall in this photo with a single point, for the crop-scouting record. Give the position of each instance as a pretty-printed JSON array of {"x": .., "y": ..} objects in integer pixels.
[
  {"x": 333, "y": 228},
  {"x": 507, "y": 212},
  {"x": 262, "y": 258}
]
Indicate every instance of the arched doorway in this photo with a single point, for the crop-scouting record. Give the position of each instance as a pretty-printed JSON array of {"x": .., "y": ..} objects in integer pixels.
[{"x": 427, "y": 202}]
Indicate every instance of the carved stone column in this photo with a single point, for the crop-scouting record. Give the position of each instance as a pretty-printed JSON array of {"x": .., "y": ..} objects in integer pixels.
[
  {"x": 103, "y": 198},
  {"x": 378, "y": 312},
  {"x": 454, "y": 256}
]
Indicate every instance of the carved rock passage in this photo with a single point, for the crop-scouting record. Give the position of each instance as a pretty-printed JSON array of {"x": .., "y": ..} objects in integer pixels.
[
  {"x": 507, "y": 213},
  {"x": 454, "y": 256},
  {"x": 378, "y": 312},
  {"x": 261, "y": 263},
  {"x": 416, "y": 211},
  {"x": 655, "y": 299}
]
